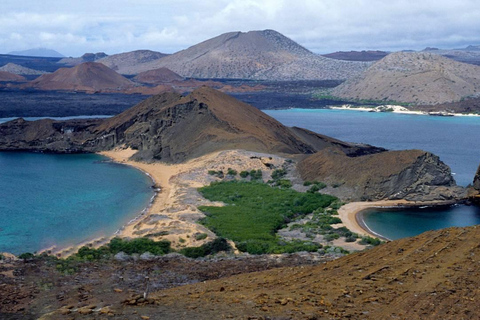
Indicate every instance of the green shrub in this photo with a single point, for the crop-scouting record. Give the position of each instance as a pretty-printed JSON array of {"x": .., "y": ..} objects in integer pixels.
[
  {"x": 307, "y": 183},
  {"x": 231, "y": 172},
  {"x": 371, "y": 241},
  {"x": 2, "y": 257},
  {"x": 212, "y": 247},
  {"x": 278, "y": 174},
  {"x": 200, "y": 236},
  {"x": 331, "y": 237},
  {"x": 139, "y": 245},
  {"x": 244, "y": 174},
  {"x": 256, "y": 175},
  {"x": 26, "y": 256},
  {"x": 283, "y": 183}
]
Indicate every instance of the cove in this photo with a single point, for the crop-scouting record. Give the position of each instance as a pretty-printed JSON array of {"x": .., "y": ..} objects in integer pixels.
[
  {"x": 61, "y": 200},
  {"x": 402, "y": 223}
]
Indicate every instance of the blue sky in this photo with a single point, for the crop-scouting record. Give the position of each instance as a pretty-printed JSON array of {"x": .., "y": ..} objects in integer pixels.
[{"x": 322, "y": 26}]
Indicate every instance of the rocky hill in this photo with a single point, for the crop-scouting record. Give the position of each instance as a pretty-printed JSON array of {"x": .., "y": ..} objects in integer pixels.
[
  {"x": 158, "y": 76},
  {"x": 17, "y": 69},
  {"x": 123, "y": 62},
  {"x": 410, "y": 174},
  {"x": 476, "y": 180},
  {"x": 38, "y": 52},
  {"x": 357, "y": 55},
  {"x": 173, "y": 128},
  {"x": 10, "y": 77},
  {"x": 419, "y": 78},
  {"x": 266, "y": 55},
  {"x": 88, "y": 77}
]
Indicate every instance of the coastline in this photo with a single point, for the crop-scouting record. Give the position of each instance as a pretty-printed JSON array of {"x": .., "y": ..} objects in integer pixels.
[
  {"x": 351, "y": 213},
  {"x": 402, "y": 110}
]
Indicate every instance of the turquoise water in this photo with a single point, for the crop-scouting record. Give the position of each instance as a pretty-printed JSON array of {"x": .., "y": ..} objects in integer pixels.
[
  {"x": 412, "y": 222},
  {"x": 48, "y": 199},
  {"x": 455, "y": 139}
]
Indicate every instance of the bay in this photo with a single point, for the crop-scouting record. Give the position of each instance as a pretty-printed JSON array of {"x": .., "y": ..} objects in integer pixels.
[
  {"x": 51, "y": 199},
  {"x": 456, "y": 140}
]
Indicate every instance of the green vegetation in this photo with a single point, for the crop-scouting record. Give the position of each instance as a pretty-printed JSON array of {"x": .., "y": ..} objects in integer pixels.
[
  {"x": 26, "y": 256},
  {"x": 277, "y": 174},
  {"x": 2, "y": 256},
  {"x": 218, "y": 174},
  {"x": 370, "y": 241},
  {"x": 316, "y": 186},
  {"x": 255, "y": 211},
  {"x": 212, "y": 247},
  {"x": 244, "y": 174},
  {"x": 231, "y": 172},
  {"x": 200, "y": 236},
  {"x": 256, "y": 175}
]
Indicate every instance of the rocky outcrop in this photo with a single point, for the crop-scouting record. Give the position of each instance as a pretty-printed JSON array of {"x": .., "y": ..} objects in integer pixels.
[
  {"x": 476, "y": 180},
  {"x": 173, "y": 128},
  {"x": 20, "y": 70},
  {"x": 410, "y": 174}
]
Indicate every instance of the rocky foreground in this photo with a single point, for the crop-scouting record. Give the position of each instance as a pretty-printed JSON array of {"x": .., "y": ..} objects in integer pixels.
[{"x": 432, "y": 276}]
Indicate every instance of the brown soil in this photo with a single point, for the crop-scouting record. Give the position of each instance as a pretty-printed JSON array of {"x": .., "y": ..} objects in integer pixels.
[{"x": 7, "y": 76}]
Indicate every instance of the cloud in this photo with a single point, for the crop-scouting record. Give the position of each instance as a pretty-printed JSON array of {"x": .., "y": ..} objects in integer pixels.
[{"x": 76, "y": 27}]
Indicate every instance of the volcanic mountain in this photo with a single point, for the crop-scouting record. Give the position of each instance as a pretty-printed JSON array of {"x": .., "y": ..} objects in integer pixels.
[
  {"x": 158, "y": 76},
  {"x": 10, "y": 77},
  {"x": 88, "y": 76},
  {"x": 87, "y": 57},
  {"x": 419, "y": 78},
  {"x": 122, "y": 62},
  {"x": 265, "y": 55}
]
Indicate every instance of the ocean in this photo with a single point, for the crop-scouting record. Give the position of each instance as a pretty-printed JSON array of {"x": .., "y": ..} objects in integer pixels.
[
  {"x": 49, "y": 199},
  {"x": 456, "y": 140}
]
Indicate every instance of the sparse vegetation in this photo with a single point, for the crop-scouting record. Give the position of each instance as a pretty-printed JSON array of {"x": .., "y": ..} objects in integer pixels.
[
  {"x": 218, "y": 174},
  {"x": 255, "y": 211},
  {"x": 200, "y": 236},
  {"x": 244, "y": 174},
  {"x": 212, "y": 247},
  {"x": 370, "y": 241},
  {"x": 231, "y": 172}
]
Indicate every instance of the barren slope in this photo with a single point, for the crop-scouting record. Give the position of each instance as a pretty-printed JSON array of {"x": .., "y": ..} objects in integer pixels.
[
  {"x": 420, "y": 78},
  {"x": 432, "y": 276},
  {"x": 253, "y": 55},
  {"x": 88, "y": 76}
]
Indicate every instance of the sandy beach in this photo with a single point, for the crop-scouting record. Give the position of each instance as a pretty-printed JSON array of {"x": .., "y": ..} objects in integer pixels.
[
  {"x": 351, "y": 217},
  {"x": 402, "y": 110}
]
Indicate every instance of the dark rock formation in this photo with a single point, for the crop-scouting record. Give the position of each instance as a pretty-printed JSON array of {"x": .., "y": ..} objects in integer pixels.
[
  {"x": 173, "y": 128},
  {"x": 410, "y": 174},
  {"x": 476, "y": 180}
]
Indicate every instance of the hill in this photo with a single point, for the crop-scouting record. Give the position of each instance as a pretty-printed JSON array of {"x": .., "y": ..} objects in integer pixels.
[
  {"x": 87, "y": 57},
  {"x": 10, "y": 77},
  {"x": 122, "y": 62},
  {"x": 261, "y": 55},
  {"x": 418, "y": 78},
  {"x": 357, "y": 55},
  {"x": 430, "y": 276},
  {"x": 173, "y": 128},
  {"x": 410, "y": 174},
  {"x": 88, "y": 77},
  {"x": 38, "y": 52},
  {"x": 17, "y": 69},
  {"x": 158, "y": 76}
]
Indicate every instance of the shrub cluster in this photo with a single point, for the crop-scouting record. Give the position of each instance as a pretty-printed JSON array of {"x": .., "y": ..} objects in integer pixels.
[{"x": 255, "y": 211}]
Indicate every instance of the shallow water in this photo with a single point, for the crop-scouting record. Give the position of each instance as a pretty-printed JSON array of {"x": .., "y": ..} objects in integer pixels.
[{"x": 48, "y": 199}]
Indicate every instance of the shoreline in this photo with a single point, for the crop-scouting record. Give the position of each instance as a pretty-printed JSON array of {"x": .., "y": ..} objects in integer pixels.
[
  {"x": 402, "y": 110},
  {"x": 351, "y": 213}
]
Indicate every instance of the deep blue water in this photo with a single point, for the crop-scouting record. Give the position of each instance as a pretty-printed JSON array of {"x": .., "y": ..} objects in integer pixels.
[
  {"x": 455, "y": 139},
  {"x": 48, "y": 199}
]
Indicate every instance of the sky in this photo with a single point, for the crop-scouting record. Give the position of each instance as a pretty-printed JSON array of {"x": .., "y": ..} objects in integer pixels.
[{"x": 75, "y": 27}]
